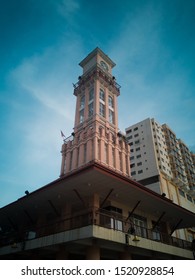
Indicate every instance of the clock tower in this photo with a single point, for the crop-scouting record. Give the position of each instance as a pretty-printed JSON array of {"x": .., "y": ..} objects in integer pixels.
[{"x": 96, "y": 137}]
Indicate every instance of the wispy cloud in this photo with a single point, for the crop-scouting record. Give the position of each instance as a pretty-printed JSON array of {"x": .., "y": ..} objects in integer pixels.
[
  {"x": 154, "y": 83},
  {"x": 42, "y": 104},
  {"x": 68, "y": 9}
]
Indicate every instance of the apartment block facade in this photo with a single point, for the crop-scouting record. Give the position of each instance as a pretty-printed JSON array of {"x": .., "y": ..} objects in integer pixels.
[{"x": 162, "y": 163}]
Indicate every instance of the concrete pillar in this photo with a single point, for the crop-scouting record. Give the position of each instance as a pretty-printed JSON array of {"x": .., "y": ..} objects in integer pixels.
[
  {"x": 106, "y": 104},
  {"x": 110, "y": 158},
  {"x": 68, "y": 161},
  {"x": 81, "y": 155},
  {"x": 128, "y": 160},
  {"x": 94, "y": 200},
  {"x": 74, "y": 158},
  {"x": 102, "y": 146},
  {"x": 115, "y": 111},
  {"x": 89, "y": 150},
  {"x": 93, "y": 253},
  {"x": 94, "y": 204},
  {"x": 95, "y": 149},
  {"x": 77, "y": 113}
]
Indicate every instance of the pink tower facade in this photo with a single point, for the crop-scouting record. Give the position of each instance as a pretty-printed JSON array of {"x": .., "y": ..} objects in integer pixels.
[{"x": 96, "y": 137}]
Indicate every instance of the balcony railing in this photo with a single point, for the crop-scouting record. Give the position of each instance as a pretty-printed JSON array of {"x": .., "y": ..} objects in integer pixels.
[{"x": 97, "y": 217}]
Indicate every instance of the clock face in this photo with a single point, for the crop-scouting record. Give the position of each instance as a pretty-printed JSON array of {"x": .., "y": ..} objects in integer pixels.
[{"x": 104, "y": 65}]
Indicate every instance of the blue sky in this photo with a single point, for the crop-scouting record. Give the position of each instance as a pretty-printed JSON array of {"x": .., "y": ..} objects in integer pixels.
[{"x": 42, "y": 42}]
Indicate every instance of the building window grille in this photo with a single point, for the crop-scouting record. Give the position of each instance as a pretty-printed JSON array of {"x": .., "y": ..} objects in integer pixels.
[
  {"x": 102, "y": 95},
  {"x": 140, "y": 224},
  {"x": 90, "y": 109},
  {"x": 189, "y": 198},
  {"x": 111, "y": 116},
  {"x": 82, "y": 102},
  {"x": 102, "y": 109},
  {"x": 127, "y": 164},
  {"x": 81, "y": 115},
  {"x": 106, "y": 153},
  {"x": 120, "y": 160},
  {"x": 99, "y": 150},
  {"x": 91, "y": 95},
  {"x": 77, "y": 162},
  {"x": 71, "y": 153},
  {"x": 110, "y": 102},
  {"x": 181, "y": 193}
]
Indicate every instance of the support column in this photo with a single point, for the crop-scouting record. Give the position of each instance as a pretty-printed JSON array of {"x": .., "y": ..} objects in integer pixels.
[
  {"x": 81, "y": 155},
  {"x": 89, "y": 150},
  {"x": 117, "y": 154},
  {"x": 128, "y": 160},
  {"x": 110, "y": 159},
  {"x": 74, "y": 158},
  {"x": 95, "y": 150},
  {"x": 94, "y": 204},
  {"x": 102, "y": 146},
  {"x": 68, "y": 162}
]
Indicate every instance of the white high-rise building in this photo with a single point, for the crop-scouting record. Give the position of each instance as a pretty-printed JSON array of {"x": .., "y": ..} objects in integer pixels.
[
  {"x": 162, "y": 163},
  {"x": 157, "y": 160},
  {"x": 148, "y": 153}
]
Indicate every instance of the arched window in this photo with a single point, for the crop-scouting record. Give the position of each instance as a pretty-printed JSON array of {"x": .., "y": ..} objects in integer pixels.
[
  {"x": 111, "y": 109},
  {"x": 102, "y": 110},
  {"x": 82, "y": 102},
  {"x": 110, "y": 102},
  {"x": 81, "y": 115},
  {"x": 91, "y": 94},
  {"x": 111, "y": 116},
  {"x": 106, "y": 153},
  {"x": 102, "y": 95}
]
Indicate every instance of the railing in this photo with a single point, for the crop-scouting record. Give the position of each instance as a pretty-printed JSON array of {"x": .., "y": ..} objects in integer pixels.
[
  {"x": 93, "y": 217},
  {"x": 98, "y": 72}
]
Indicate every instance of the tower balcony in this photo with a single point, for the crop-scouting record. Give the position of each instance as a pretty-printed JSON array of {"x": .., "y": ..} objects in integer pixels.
[{"x": 97, "y": 73}]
